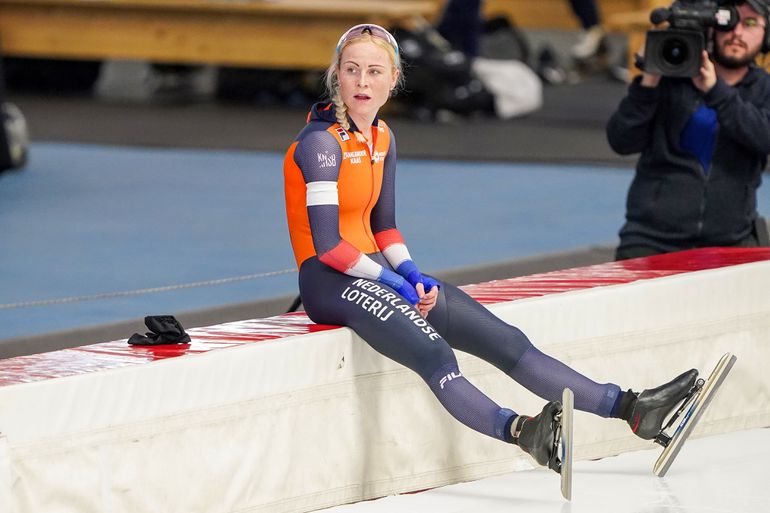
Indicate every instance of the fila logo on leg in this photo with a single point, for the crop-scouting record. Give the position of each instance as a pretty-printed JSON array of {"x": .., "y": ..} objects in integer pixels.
[{"x": 449, "y": 377}]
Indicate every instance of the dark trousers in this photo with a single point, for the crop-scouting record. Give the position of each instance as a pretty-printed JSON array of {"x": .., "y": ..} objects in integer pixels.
[
  {"x": 586, "y": 11},
  {"x": 759, "y": 237},
  {"x": 461, "y": 25}
]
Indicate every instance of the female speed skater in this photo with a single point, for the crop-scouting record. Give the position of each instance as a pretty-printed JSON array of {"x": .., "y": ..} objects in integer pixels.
[{"x": 355, "y": 269}]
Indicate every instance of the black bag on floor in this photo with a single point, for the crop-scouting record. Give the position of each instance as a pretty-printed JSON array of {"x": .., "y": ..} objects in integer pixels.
[
  {"x": 501, "y": 39},
  {"x": 438, "y": 77},
  {"x": 294, "y": 88}
]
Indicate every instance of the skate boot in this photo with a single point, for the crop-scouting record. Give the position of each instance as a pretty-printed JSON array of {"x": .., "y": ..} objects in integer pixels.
[
  {"x": 650, "y": 408},
  {"x": 538, "y": 436}
]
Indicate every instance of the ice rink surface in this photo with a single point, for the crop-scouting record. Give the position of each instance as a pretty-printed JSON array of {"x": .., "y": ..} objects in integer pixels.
[{"x": 717, "y": 474}]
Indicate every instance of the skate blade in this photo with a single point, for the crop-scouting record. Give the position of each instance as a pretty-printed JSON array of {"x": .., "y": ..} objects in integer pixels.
[
  {"x": 693, "y": 414},
  {"x": 567, "y": 410}
]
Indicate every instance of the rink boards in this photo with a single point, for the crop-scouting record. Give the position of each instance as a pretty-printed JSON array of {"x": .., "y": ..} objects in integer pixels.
[{"x": 279, "y": 414}]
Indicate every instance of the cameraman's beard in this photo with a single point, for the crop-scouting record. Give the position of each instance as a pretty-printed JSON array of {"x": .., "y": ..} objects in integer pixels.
[{"x": 733, "y": 62}]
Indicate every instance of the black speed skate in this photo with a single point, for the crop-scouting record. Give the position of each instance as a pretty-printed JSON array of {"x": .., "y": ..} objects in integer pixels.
[
  {"x": 676, "y": 431},
  {"x": 687, "y": 396},
  {"x": 652, "y": 406},
  {"x": 547, "y": 437},
  {"x": 539, "y": 436}
]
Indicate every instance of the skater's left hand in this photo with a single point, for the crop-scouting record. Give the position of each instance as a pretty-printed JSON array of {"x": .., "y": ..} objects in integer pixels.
[{"x": 427, "y": 299}]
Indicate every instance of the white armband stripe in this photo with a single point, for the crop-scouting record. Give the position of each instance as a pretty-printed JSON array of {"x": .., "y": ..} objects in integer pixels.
[
  {"x": 322, "y": 193},
  {"x": 396, "y": 254},
  {"x": 365, "y": 267}
]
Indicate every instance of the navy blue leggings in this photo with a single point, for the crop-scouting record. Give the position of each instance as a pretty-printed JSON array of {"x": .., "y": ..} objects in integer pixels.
[
  {"x": 395, "y": 329},
  {"x": 461, "y": 24},
  {"x": 586, "y": 11}
]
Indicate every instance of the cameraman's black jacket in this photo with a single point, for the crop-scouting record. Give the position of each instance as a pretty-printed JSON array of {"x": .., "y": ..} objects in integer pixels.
[{"x": 672, "y": 203}]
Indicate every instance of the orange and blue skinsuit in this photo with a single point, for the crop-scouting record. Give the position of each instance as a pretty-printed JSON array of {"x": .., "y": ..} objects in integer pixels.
[{"x": 355, "y": 271}]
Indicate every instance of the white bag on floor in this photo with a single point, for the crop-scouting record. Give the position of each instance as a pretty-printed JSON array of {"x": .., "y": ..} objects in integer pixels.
[{"x": 516, "y": 88}]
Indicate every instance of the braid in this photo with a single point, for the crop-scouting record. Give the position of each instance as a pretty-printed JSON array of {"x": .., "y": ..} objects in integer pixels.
[{"x": 341, "y": 110}]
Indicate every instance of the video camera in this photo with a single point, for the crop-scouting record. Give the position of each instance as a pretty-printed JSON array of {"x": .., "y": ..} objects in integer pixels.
[{"x": 676, "y": 51}]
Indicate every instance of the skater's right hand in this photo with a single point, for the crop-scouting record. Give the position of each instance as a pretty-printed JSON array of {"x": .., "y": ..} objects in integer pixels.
[{"x": 427, "y": 299}]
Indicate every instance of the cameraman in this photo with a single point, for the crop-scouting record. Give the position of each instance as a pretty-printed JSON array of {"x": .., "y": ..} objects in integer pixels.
[{"x": 704, "y": 143}]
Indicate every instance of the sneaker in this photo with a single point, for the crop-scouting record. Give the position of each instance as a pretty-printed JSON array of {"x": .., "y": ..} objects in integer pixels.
[
  {"x": 548, "y": 67},
  {"x": 650, "y": 408},
  {"x": 16, "y": 131},
  {"x": 589, "y": 42},
  {"x": 537, "y": 435}
]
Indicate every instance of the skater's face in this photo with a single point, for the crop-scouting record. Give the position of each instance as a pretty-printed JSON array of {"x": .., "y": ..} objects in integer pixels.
[
  {"x": 367, "y": 75},
  {"x": 739, "y": 47}
]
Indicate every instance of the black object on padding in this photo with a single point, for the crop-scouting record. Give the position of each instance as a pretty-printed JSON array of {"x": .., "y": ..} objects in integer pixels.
[{"x": 164, "y": 329}]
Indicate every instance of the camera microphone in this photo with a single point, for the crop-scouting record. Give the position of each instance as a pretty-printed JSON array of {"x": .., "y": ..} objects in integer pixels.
[{"x": 660, "y": 15}]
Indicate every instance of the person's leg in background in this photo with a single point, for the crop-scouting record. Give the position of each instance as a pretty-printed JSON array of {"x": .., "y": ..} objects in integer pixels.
[
  {"x": 591, "y": 37},
  {"x": 460, "y": 24}
]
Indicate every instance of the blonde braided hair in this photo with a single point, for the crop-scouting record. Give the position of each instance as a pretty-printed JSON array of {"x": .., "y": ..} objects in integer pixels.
[{"x": 341, "y": 112}]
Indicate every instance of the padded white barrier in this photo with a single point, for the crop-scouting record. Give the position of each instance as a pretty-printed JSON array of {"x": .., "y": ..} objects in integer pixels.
[{"x": 316, "y": 419}]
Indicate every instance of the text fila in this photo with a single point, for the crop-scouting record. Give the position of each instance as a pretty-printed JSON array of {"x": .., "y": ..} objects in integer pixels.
[{"x": 449, "y": 377}]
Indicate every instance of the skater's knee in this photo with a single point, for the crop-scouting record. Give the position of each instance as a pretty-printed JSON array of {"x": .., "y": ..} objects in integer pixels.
[
  {"x": 520, "y": 339},
  {"x": 517, "y": 350},
  {"x": 518, "y": 345},
  {"x": 434, "y": 358}
]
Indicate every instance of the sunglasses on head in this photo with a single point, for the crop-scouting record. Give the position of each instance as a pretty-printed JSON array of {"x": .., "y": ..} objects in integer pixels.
[{"x": 372, "y": 30}]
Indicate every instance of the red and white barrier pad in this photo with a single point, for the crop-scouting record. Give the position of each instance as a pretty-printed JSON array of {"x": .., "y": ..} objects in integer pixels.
[{"x": 283, "y": 415}]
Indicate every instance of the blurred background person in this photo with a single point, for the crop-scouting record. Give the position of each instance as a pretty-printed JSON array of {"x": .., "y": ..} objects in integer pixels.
[{"x": 704, "y": 143}]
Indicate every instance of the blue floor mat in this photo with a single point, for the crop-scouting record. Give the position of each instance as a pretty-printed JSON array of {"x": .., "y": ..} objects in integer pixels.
[{"x": 85, "y": 220}]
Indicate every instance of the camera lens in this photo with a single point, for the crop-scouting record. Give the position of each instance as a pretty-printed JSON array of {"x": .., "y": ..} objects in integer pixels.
[{"x": 675, "y": 51}]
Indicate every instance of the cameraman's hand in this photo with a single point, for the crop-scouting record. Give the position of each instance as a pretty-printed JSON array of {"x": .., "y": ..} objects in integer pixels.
[
  {"x": 708, "y": 75},
  {"x": 648, "y": 79}
]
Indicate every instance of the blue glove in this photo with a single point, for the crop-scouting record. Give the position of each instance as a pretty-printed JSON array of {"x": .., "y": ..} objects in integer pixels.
[
  {"x": 400, "y": 285},
  {"x": 408, "y": 269},
  {"x": 429, "y": 283}
]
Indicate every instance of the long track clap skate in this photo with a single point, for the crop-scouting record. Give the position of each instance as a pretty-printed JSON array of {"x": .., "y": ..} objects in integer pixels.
[
  {"x": 687, "y": 415},
  {"x": 547, "y": 437},
  {"x": 565, "y": 436}
]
